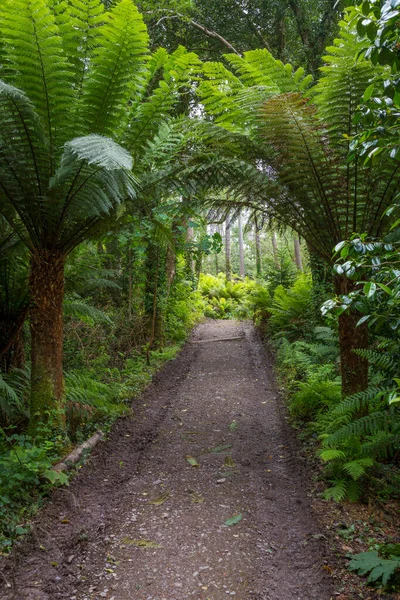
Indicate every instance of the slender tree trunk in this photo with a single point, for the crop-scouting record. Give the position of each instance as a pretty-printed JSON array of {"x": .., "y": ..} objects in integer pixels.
[
  {"x": 154, "y": 316},
  {"x": 322, "y": 280},
  {"x": 297, "y": 253},
  {"x": 46, "y": 323},
  {"x": 189, "y": 263},
  {"x": 241, "y": 247},
  {"x": 171, "y": 268},
  {"x": 354, "y": 369},
  {"x": 155, "y": 291},
  {"x": 258, "y": 248},
  {"x": 130, "y": 283},
  {"x": 275, "y": 249},
  {"x": 228, "y": 264}
]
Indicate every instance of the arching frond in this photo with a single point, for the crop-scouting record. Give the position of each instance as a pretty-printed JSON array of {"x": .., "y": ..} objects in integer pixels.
[
  {"x": 115, "y": 66},
  {"x": 145, "y": 118},
  {"x": 35, "y": 62}
]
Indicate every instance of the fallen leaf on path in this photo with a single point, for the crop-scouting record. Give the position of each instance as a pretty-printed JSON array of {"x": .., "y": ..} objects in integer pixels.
[
  {"x": 217, "y": 449},
  {"x": 196, "y": 497},
  {"x": 161, "y": 499},
  {"x": 234, "y": 520},
  {"x": 192, "y": 461},
  {"x": 229, "y": 462},
  {"x": 140, "y": 543}
]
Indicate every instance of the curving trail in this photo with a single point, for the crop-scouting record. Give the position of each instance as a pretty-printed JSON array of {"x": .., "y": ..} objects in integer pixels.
[{"x": 216, "y": 403}]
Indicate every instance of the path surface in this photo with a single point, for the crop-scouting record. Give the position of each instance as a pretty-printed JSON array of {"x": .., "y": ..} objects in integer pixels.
[{"x": 216, "y": 403}]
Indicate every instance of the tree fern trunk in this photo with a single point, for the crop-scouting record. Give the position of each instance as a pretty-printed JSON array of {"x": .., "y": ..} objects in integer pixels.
[
  {"x": 354, "y": 369},
  {"x": 46, "y": 324}
]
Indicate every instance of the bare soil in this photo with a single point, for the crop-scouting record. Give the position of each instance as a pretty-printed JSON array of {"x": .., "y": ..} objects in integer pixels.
[{"x": 140, "y": 522}]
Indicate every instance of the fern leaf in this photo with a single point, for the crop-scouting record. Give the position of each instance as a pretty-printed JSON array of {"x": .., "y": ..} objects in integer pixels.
[
  {"x": 33, "y": 53},
  {"x": 337, "y": 492},
  {"x": 357, "y": 468},
  {"x": 119, "y": 58},
  {"x": 84, "y": 312},
  {"x": 145, "y": 119}
]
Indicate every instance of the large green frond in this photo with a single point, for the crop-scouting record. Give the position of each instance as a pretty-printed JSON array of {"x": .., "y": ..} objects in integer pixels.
[
  {"x": 79, "y": 22},
  {"x": 117, "y": 62},
  {"x": 345, "y": 78},
  {"x": 260, "y": 68},
  {"x": 35, "y": 62},
  {"x": 145, "y": 119}
]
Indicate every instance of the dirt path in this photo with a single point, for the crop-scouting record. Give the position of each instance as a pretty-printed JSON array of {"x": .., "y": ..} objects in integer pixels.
[{"x": 216, "y": 403}]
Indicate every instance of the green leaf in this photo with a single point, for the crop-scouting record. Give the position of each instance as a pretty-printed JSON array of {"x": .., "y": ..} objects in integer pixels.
[
  {"x": 369, "y": 289},
  {"x": 363, "y": 319},
  {"x": 192, "y": 461},
  {"x": 385, "y": 288},
  {"x": 234, "y": 520},
  {"x": 378, "y": 568},
  {"x": 219, "y": 449},
  {"x": 368, "y": 92},
  {"x": 140, "y": 543}
]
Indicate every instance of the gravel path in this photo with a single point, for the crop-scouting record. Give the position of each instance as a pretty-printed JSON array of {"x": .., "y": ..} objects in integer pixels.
[{"x": 140, "y": 522}]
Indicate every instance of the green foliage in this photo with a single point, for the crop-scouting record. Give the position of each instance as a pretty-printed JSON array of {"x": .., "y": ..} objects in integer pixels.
[
  {"x": 25, "y": 473},
  {"x": 14, "y": 386},
  {"x": 227, "y": 299},
  {"x": 362, "y": 429},
  {"x": 378, "y": 569},
  {"x": 292, "y": 310}
]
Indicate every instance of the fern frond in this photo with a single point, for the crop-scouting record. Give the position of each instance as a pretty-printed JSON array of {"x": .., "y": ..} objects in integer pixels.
[
  {"x": 115, "y": 66},
  {"x": 77, "y": 309},
  {"x": 260, "y": 68},
  {"x": 346, "y": 75},
  {"x": 337, "y": 492},
  {"x": 369, "y": 425},
  {"x": 146, "y": 118},
  {"x": 79, "y": 22},
  {"x": 357, "y": 468},
  {"x": 35, "y": 62},
  {"x": 383, "y": 362},
  {"x": 359, "y": 401}
]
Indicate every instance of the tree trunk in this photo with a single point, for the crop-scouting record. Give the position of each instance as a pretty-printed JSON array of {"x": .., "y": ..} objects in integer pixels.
[
  {"x": 354, "y": 369},
  {"x": 171, "y": 268},
  {"x": 297, "y": 253},
  {"x": 258, "y": 248},
  {"x": 275, "y": 249},
  {"x": 46, "y": 286},
  {"x": 228, "y": 264},
  {"x": 241, "y": 247},
  {"x": 322, "y": 280},
  {"x": 130, "y": 283},
  {"x": 189, "y": 262}
]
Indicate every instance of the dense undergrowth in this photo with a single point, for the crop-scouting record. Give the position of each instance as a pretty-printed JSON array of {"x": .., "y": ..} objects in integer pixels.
[{"x": 107, "y": 365}]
